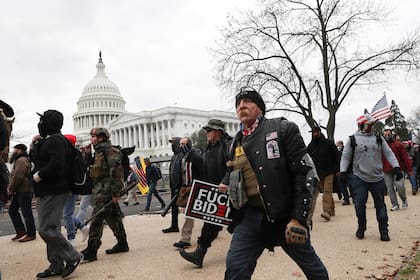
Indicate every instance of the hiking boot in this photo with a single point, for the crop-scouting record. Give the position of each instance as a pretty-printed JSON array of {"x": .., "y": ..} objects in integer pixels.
[
  {"x": 326, "y": 216},
  {"x": 414, "y": 192},
  {"x": 360, "y": 233},
  {"x": 384, "y": 236},
  {"x": 395, "y": 208},
  {"x": 170, "y": 229},
  {"x": 120, "y": 247},
  {"x": 71, "y": 267},
  {"x": 89, "y": 255},
  {"x": 196, "y": 257},
  {"x": 182, "y": 244},
  {"x": 19, "y": 235}
]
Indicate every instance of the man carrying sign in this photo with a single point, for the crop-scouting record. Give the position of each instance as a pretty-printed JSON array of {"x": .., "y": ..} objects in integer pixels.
[
  {"x": 218, "y": 142},
  {"x": 269, "y": 172}
]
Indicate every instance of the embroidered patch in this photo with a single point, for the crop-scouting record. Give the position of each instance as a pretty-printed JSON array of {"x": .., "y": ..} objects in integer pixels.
[
  {"x": 271, "y": 136},
  {"x": 273, "y": 150}
]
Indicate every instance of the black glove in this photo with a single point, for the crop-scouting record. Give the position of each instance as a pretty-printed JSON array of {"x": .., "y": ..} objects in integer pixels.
[{"x": 398, "y": 174}]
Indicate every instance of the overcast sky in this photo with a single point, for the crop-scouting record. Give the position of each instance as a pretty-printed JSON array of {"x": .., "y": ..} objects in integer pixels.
[{"x": 157, "y": 53}]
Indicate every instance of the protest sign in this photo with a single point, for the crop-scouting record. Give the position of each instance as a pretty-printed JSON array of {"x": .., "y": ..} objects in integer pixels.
[{"x": 206, "y": 203}]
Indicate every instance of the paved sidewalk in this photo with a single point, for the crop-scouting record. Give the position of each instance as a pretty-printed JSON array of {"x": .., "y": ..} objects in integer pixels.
[{"x": 152, "y": 255}]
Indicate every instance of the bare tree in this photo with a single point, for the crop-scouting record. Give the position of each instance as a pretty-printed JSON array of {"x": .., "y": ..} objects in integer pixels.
[{"x": 307, "y": 57}]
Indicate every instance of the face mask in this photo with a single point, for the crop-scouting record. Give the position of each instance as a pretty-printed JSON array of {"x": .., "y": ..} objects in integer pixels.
[{"x": 42, "y": 129}]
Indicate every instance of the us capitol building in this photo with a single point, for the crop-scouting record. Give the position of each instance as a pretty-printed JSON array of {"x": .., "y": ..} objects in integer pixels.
[{"x": 101, "y": 105}]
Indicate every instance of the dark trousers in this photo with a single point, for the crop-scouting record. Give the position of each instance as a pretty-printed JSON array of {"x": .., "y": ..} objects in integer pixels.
[
  {"x": 59, "y": 250},
  {"x": 22, "y": 201},
  {"x": 174, "y": 210},
  {"x": 344, "y": 183},
  {"x": 209, "y": 232},
  {"x": 360, "y": 191},
  {"x": 248, "y": 244}
]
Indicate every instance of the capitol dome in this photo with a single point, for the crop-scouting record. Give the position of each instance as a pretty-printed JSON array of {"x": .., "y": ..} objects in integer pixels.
[{"x": 100, "y": 103}]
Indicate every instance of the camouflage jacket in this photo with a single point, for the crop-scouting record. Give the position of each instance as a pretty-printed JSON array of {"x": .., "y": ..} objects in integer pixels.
[{"x": 107, "y": 172}]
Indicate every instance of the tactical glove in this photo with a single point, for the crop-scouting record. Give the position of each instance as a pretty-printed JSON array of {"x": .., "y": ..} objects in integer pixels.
[
  {"x": 296, "y": 233},
  {"x": 398, "y": 173}
]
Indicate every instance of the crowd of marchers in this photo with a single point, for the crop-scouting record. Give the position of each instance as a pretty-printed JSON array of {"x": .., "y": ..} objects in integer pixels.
[{"x": 273, "y": 180}]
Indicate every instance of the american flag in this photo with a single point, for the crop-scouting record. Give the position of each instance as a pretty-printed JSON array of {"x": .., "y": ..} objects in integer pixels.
[{"x": 381, "y": 109}]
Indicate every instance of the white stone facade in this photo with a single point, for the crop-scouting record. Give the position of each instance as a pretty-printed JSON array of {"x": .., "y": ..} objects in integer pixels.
[{"x": 101, "y": 105}]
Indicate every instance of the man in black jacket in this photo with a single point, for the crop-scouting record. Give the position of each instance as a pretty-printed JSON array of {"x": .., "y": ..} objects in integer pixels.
[
  {"x": 174, "y": 182},
  {"x": 218, "y": 142},
  {"x": 324, "y": 153},
  {"x": 48, "y": 154},
  {"x": 275, "y": 169}
]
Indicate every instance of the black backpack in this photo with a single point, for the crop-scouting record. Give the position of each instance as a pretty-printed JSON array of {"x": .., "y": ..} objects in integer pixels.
[{"x": 77, "y": 169}]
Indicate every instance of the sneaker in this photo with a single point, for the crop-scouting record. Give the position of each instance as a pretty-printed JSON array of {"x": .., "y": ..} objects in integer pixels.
[
  {"x": 182, "y": 244},
  {"x": 405, "y": 204},
  {"x": 395, "y": 208},
  {"x": 71, "y": 267},
  {"x": 136, "y": 203},
  {"x": 85, "y": 232},
  {"x": 73, "y": 242}
]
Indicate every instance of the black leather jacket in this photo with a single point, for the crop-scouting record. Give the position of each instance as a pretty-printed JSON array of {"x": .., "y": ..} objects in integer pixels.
[{"x": 275, "y": 151}]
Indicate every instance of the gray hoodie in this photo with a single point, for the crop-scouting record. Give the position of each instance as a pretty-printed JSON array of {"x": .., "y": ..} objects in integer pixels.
[{"x": 367, "y": 161}]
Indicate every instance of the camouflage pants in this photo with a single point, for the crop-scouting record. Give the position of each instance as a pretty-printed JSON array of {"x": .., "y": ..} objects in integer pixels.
[{"x": 112, "y": 216}]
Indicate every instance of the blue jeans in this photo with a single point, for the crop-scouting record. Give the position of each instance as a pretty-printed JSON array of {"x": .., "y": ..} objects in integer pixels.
[
  {"x": 247, "y": 246},
  {"x": 22, "y": 201},
  {"x": 68, "y": 212},
  {"x": 152, "y": 190},
  {"x": 360, "y": 192},
  {"x": 413, "y": 179},
  {"x": 83, "y": 207}
]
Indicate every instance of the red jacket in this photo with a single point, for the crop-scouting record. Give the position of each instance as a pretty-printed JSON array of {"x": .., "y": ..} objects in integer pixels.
[{"x": 401, "y": 155}]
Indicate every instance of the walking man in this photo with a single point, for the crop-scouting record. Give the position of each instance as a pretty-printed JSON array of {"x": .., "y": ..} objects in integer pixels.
[
  {"x": 21, "y": 191},
  {"x": 389, "y": 175},
  {"x": 152, "y": 176},
  {"x": 49, "y": 154},
  {"x": 271, "y": 157},
  {"x": 325, "y": 155},
  {"x": 365, "y": 156},
  {"x": 108, "y": 174},
  {"x": 218, "y": 142}
]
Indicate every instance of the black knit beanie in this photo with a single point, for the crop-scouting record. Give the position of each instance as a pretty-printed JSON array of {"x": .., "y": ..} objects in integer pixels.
[{"x": 252, "y": 94}]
